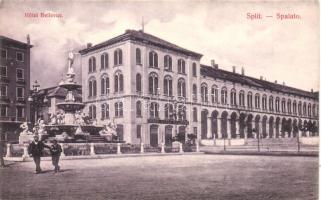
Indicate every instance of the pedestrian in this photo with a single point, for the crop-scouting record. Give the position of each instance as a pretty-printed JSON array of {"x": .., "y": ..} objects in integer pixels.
[
  {"x": 55, "y": 151},
  {"x": 35, "y": 150}
]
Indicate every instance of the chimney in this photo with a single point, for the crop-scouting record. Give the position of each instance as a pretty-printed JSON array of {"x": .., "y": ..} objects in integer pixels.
[
  {"x": 311, "y": 90},
  {"x": 243, "y": 71},
  {"x": 283, "y": 83},
  {"x": 213, "y": 63},
  {"x": 28, "y": 39},
  {"x": 261, "y": 77},
  {"x": 89, "y": 45},
  {"x": 276, "y": 81},
  {"x": 233, "y": 69},
  {"x": 216, "y": 66}
]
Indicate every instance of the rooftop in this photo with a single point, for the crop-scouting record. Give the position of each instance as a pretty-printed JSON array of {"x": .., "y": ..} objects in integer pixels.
[{"x": 6, "y": 40}]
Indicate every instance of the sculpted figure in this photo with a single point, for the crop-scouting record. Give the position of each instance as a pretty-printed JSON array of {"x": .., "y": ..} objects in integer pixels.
[{"x": 25, "y": 129}]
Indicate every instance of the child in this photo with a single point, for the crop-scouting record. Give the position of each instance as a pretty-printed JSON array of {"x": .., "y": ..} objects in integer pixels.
[{"x": 55, "y": 151}]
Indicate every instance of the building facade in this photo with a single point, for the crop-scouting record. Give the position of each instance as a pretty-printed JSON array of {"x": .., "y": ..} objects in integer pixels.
[
  {"x": 153, "y": 90},
  {"x": 14, "y": 85}
]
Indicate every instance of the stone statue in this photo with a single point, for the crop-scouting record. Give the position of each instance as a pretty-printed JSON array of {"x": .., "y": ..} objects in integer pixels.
[
  {"x": 25, "y": 129},
  {"x": 78, "y": 118},
  {"x": 53, "y": 119},
  {"x": 70, "y": 72}
]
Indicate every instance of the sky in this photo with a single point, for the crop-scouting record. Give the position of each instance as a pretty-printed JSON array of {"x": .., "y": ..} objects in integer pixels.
[{"x": 282, "y": 50}]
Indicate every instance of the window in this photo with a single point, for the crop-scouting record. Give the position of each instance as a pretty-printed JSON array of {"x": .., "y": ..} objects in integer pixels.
[
  {"x": 104, "y": 61},
  {"x": 92, "y": 112},
  {"x": 20, "y": 111},
  {"x": 181, "y": 88},
  {"x": 138, "y": 83},
  {"x": 257, "y": 101},
  {"x": 169, "y": 111},
  {"x": 138, "y": 57},
  {"x": 249, "y": 100},
  {"x": 167, "y": 63},
  {"x": 271, "y": 103},
  {"x": 119, "y": 82},
  {"x": 224, "y": 96},
  {"x": 181, "y": 113},
  {"x": 283, "y": 105},
  {"x": 3, "y": 71},
  {"x": 194, "y": 114},
  {"x": 313, "y": 110},
  {"x": 214, "y": 94},
  {"x": 304, "y": 109},
  {"x": 181, "y": 66},
  {"x": 138, "y": 109},
  {"x": 309, "y": 110},
  {"x": 194, "y": 92},
  {"x": 103, "y": 111},
  {"x": 118, "y": 109},
  {"x": 153, "y": 83},
  {"x": 91, "y": 65},
  {"x": 242, "y": 98},
  {"x": 300, "y": 108},
  {"x": 233, "y": 97},
  {"x": 19, "y": 73},
  {"x": 153, "y": 59},
  {"x": 264, "y": 101},
  {"x": 289, "y": 106},
  {"x": 3, "y": 54},
  {"x": 118, "y": 57},
  {"x": 104, "y": 85},
  {"x": 277, "y": 104},
  {"x": 20, "y": 56},
  {"x": 3, "y": 111},
  {"x": 168, "y": 86},
  {"x": 3, "y": 90},
  {"x": 20, "y": 93},
  {"x": 139, "y": 131},
  {"x": 153, "y": 112},
  {"x": 194, "y": 70},
  {"x": 92, "y": 87},
  {"x": 204, "y": 93},
  {"x": 294, "y": 108}
]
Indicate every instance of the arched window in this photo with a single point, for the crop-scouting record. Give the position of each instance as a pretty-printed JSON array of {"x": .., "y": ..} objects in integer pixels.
[
  {"x": 138, "y": 57},
  {"x": 181, "y": 88},
  {"x": 294, "y": 108},
  {"x": 153, "y": 59},
  {"x": 283, "y": 105},
  {"x": 92, "y": 87},
  {"x": 118, "y": 57},
  {"x": 249, "y": 100},
  {"x": 119, "y": 109},
  {"x": 153, "y": 111},
  {"x": 214, "y": 94},
  {"x": 264, "y": 100},
  {"x": 204, "y": 93},
  {"x": 167, "y": 63},
  {"x": 168, "y": 86},
  {"x": 314, "y": 110},
  {"x": 300, "y": 108},
  {"x": 181, "y": 113},
  {"x": 233, "y": 97},
  {"x": 257, "y": 101},
  {"x": 92, "y": 64},
  {"x": 153, "y": 83},
  {"x": 194, "y": 92},
  {"x": 181, "y": 66},
  {"x": 138, "y": 109},
  {"x": 241, "y": 98},
  {"x": 104, "y": 85},
  {"x": 224, "y": 96},
  {"x": 271, "y": 103},
  {"x": 309, "y": 110},
  {"x": 289, "y": 106},
  {"x": 104, "y": 111},
  {"x": 104, "y": 61},
  {"x": 92, "y": 112},
  {"x": 119, "y": 82},
  {"x": 277, "y": 104},
  {"x": 138, "y": 83},
  {"x": 194, "y": 114},
  {"x": 304, "y": 109},
  {"x": 194, "y": 69},
  {"x": 169, "y": 111}
]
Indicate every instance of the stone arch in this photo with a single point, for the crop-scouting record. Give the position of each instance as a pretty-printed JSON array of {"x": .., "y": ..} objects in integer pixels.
[
  {"x": 264, "y": 130},
  {"x": 242, "y": 123},
  {"x": 283, "y": 127},
  {"x": 224, "y": 127},
  {"x": 289, "y": 127},
  {"x": 215, "y": 124},
  {"x": 277, "y": 127},
  {"x": 204, "y": 115},
  {"x": 233, "y": 124},
  {"x": 295, "y": 127},
  {"x": 153, "y": 135},
  {"x": 249, "y": 126},
  {"x": 257, "y": 125},
  {"x": 271, "y": 126}
]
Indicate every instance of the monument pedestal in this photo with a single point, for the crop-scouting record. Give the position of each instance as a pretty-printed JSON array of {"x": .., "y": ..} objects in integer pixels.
[{"x": 23, "y": 138}]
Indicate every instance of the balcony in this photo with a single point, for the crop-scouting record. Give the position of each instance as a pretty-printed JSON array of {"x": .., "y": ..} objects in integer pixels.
[
  {"x": 4, "y": 79},
  {"x": 21, "y": 81},
  {"x": 21, "y": 100},
  {"x": 167, "y": 121}
]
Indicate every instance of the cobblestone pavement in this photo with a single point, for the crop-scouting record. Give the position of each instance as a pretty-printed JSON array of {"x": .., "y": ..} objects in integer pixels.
[{"x": 166, "y": 177}]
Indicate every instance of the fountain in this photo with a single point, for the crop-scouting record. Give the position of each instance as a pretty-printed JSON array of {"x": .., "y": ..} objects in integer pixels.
[{"x": 70, "y": 124}]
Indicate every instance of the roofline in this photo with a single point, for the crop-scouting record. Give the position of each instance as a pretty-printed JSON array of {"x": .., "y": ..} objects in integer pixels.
[
  {"x": 313, "y": 95},
  {"x": 15, "y": 41}
]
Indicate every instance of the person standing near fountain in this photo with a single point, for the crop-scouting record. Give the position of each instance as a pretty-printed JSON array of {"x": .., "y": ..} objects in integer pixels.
[
  {"x": 35, "y": 150},
  {"x": 55, "y": 151}
]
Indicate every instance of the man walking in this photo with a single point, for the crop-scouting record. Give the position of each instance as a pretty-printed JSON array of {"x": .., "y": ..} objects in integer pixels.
[
  {"x": 35, "y": 150},
  {"x": 55, "y": 151}
]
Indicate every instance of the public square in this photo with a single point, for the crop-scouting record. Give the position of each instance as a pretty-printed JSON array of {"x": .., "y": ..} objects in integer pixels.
[{"x": 166, "y": 177}]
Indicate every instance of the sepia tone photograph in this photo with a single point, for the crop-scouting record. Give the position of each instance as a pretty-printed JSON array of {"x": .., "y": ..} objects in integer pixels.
[{"x": 165, "y": 99}]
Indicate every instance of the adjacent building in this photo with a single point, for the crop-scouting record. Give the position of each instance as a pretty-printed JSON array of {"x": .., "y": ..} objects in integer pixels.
[
  {"x": 153, "y": 89},
  {"x": 14, "y": 85}
]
